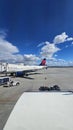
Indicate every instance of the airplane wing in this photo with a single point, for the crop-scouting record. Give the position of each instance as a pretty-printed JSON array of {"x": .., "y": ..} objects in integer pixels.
[{"x": 42, "y": 111}]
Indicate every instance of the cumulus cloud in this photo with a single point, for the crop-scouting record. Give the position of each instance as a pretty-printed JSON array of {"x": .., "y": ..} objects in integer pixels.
[
  {"x": 8, "y": 52},
  {"x": 30, "y": 59},
  {"x": 6, "y": 46},
  {"x": 11, "y": 53},
  {"x": 11, "y": 58},
  {"x": 62, "y": 38},
  {"x": 60, "y": 62},
  {"x": 70, "y": 39},
  {"x": 48, "y": 50}
]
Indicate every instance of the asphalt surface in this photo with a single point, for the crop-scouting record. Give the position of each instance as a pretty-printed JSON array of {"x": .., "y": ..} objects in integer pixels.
[{"x": 63, "y": 77}]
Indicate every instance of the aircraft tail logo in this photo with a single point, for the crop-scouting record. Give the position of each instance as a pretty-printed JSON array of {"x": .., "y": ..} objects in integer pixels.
[{"x": 43, "y": 62}]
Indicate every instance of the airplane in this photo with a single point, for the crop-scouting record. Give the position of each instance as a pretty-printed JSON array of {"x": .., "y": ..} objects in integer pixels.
[{"x": 20, "y": 69}]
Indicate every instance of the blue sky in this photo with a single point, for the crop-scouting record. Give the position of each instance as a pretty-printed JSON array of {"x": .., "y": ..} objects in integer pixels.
[{"x": 33, "y": 29}]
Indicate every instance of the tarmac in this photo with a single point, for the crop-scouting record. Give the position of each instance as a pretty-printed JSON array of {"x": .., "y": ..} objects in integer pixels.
[{"x": 63, "y": 77}]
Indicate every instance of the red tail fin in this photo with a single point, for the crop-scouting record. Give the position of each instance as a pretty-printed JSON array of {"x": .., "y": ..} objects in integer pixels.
[{"x": 43, "y": 63}]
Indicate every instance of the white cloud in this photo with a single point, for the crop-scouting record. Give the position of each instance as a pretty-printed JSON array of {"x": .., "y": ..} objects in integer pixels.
[
  {"x": 41, "y": 44},
  {"x": 70, "y": 63},
  {"x": 8, "y": 52},
  {"x": 6, "y": 46},
  {"x": 48, "y": 50},
  {"x": 62, "y": 38},
  {"x": 8, "y": 57},
  {"x": 59, "y": 62},
  {"x": 70, "y": 39},
  {"x": 3, "y": 33},
  {"x": 30, "y": 59}
]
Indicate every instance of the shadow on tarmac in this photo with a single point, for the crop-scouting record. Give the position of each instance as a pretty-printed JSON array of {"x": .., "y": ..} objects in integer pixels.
[{"x": 28, "y": 78}]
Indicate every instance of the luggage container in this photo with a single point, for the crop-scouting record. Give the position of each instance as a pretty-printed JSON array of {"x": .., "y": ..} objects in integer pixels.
[{"x": 4, "y": 80}]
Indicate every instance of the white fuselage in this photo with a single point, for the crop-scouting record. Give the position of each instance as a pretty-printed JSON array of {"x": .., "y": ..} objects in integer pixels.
[{"x": 17, "y": 67}]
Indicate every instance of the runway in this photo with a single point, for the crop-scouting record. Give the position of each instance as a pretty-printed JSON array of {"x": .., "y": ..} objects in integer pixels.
[{"x": 63, "y": 77}]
